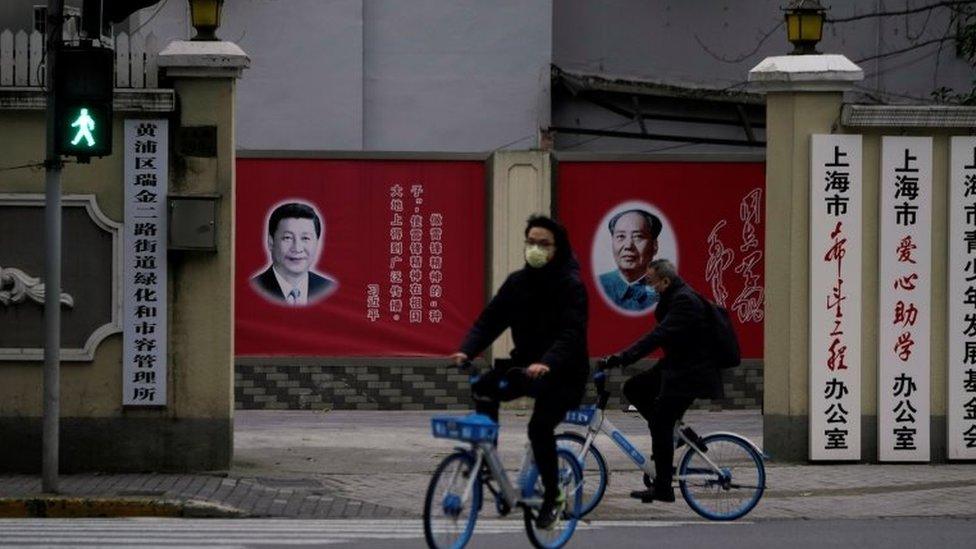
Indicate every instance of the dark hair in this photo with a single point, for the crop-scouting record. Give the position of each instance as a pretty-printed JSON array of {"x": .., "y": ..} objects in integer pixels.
[
  {"x": 293, "y": 209},
  {"x": 652, "y": 221},
  {"x": 563, "y": 251}
]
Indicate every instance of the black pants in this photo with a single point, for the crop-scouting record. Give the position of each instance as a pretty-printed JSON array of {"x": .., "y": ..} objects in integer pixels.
[
  {"x": 551, "y": 404},
  {"x": 661, "y": 411}
]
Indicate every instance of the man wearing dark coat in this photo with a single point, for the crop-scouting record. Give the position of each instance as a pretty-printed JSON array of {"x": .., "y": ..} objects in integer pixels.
[
  {"x": 294, "y": 235},
  {"x": 687, "y": 371}
]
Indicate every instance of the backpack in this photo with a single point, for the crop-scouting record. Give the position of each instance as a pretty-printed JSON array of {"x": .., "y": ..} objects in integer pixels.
[{"x": 724, "y": 342}]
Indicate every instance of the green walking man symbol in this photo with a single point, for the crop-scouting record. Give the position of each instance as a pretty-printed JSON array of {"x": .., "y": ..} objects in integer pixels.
[{"x": 85, "y": 124}]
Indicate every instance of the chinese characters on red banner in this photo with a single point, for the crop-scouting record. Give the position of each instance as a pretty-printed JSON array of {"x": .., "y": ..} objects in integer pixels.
[
  {"x": 408, "y": 229},
  {"x": 748, "y": 303},
  {"x": 412, "y": 275},
  {"x": 712, "y": 223}
]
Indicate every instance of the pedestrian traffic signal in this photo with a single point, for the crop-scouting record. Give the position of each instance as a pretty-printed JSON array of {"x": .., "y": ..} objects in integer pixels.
[{"x": 83, "y": 101}]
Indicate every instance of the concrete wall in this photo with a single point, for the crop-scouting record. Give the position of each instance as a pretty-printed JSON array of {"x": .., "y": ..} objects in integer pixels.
[
  {"x": 792, "y": 118},
  {"x": 385, "y": 75},
  {"x": 195, "y": 430}
]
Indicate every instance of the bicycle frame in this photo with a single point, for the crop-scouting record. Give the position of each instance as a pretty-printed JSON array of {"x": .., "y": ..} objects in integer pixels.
[
  {"x": 600, "y": 423},
  {"x": 485, "y": 454}
]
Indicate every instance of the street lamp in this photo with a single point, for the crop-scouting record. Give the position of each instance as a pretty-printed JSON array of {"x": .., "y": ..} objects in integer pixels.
[
  {"x": 205, "y": 16},
  {"x": 804, "y": 25}
]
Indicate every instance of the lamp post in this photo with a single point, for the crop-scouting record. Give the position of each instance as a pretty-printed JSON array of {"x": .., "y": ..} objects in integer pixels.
[
  {"x": 205, "y": 16},
  {"x": 804, "y": 25}
]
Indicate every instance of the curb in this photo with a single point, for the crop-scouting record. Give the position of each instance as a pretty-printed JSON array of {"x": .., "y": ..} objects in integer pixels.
[{"x": 87, "y": 507}]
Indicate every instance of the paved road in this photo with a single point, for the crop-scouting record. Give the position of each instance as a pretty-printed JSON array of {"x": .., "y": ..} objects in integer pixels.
[
  {"x": 395, "y": 534},
  {"x": 385, "y": 459},
  {"x": 359, "y": 465}
]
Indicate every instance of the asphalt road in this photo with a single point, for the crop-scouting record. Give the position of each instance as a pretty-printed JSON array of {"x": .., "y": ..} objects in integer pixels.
[{"x": 265, "y": 534}]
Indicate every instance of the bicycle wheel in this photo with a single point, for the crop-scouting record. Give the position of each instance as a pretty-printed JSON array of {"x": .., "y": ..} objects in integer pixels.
[
  {"x": 570, "y": 481},
  {"x": 596, "y": 474},
  {"x": 449, "y": 519},
  {"x": 730, "y": 492}
]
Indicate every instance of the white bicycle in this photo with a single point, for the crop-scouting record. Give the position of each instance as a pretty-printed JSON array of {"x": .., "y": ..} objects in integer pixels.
[{"x": 721, "y": 475}]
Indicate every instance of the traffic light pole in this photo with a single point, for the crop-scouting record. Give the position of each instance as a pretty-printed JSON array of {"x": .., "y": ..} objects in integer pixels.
[{"x": 52, "y": 264}]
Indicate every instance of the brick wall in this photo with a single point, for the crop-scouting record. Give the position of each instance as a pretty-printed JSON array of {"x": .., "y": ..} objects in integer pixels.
[{"x": 357, "y": 384}]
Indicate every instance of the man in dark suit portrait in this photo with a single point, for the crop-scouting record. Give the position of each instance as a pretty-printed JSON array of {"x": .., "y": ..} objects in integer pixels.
[{"x": 294, "y": 232}]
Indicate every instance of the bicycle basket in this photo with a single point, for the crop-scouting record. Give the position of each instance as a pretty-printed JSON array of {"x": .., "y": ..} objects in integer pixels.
[
  {"x": 470, "y": 428},
  {"x": 580, "y": 416}
]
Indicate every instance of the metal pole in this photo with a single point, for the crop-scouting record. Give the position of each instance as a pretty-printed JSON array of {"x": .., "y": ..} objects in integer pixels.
[{"x": 52, "y": 264}]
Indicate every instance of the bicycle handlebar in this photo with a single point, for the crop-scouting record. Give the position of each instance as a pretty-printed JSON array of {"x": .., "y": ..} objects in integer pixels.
[{"x": 474, "y": 375}]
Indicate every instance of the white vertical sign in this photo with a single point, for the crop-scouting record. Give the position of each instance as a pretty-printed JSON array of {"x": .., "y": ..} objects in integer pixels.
[
  {"x": 961, "y": 376},
  {"x": 835, "y": 297},
  {"x": 905, "y": 308},
  {"x": 144, "y": 298}
]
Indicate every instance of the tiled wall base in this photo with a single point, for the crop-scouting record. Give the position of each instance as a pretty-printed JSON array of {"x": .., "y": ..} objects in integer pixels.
[{"x": 277, "y": 385}]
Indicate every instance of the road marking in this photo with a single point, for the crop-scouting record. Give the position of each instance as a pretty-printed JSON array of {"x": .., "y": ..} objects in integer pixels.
[{"x": 234, "y": 533}]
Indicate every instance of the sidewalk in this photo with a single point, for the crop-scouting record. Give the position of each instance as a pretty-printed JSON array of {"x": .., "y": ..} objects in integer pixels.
[{"x": 377, "y": 464}]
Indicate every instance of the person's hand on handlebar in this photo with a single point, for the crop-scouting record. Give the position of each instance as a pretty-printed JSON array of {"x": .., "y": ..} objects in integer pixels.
[
  {"x": 458, "y": 358},
  {"x": 537, "y": 370},
  {"x": 610, "y": 361}
]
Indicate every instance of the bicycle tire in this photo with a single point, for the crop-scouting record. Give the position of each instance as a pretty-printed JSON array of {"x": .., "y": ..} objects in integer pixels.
[
  {"x": 441, "y": 503},
  {"x": 735, "y": 491},
  {"x": 594, "y": 458},
  {"x": 570, "y": 480}
]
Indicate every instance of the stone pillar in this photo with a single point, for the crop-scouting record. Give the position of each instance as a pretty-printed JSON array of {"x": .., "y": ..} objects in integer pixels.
[
  {"x": 520, "y": 185},
  {"x": 201, "y": 287},
  {"x": 804, "y": 94}
]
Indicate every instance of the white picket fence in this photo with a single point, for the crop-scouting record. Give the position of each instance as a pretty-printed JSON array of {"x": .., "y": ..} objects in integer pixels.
[{"x": 22, "y": 60}]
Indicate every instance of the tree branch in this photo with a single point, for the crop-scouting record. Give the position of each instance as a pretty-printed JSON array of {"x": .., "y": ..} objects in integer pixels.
[
  {"x": 744, "y": 56},
  {"x": 909, "y": 48},
  {"x": 944, "y": 4}
]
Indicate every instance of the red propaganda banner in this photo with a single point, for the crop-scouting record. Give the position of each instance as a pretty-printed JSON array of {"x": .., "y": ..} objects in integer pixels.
[
  {"x": 709, "y": 221},
  {"x": 357, "y": 257}
]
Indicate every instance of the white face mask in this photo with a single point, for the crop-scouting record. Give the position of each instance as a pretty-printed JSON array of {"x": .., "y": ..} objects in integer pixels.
[{"x": 536, "y": 256}]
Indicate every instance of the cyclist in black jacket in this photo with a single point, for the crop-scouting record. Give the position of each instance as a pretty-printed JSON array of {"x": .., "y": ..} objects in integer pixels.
[
  {"x": 687, "y": 371},
  {"x": 545, "y": 305}
]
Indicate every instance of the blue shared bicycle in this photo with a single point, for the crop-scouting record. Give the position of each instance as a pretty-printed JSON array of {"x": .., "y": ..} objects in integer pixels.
[{"x": 456, "y": 492}]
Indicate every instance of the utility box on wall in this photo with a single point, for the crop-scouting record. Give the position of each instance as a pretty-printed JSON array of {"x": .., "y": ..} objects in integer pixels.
[{"x": 193, "y": 222}]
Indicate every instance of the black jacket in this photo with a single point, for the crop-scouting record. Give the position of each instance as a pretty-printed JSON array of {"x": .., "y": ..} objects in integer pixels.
[
  {"x": 687, "y": 368},
  {"x": 318, "y": 286},
  {"x": 546, "y": 309}
]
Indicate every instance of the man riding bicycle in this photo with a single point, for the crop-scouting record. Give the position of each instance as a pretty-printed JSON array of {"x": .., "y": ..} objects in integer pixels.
[
  {"x": 686, "y": 372},
  {"x": 545, "y": 305}
]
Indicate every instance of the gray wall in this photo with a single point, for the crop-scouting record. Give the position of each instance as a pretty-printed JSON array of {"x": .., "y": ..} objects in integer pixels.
[
  {"x": 713, "y": 44},
  {"x": 696, "y": 41},
  {"x": 424, "y": 75}
]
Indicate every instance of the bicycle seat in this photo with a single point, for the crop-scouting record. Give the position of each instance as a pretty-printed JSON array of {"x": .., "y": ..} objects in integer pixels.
[{"x": 469, "y": 428}]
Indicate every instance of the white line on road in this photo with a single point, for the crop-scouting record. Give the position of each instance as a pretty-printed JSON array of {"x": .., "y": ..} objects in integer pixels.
[{"x": 247, "y": 532}]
